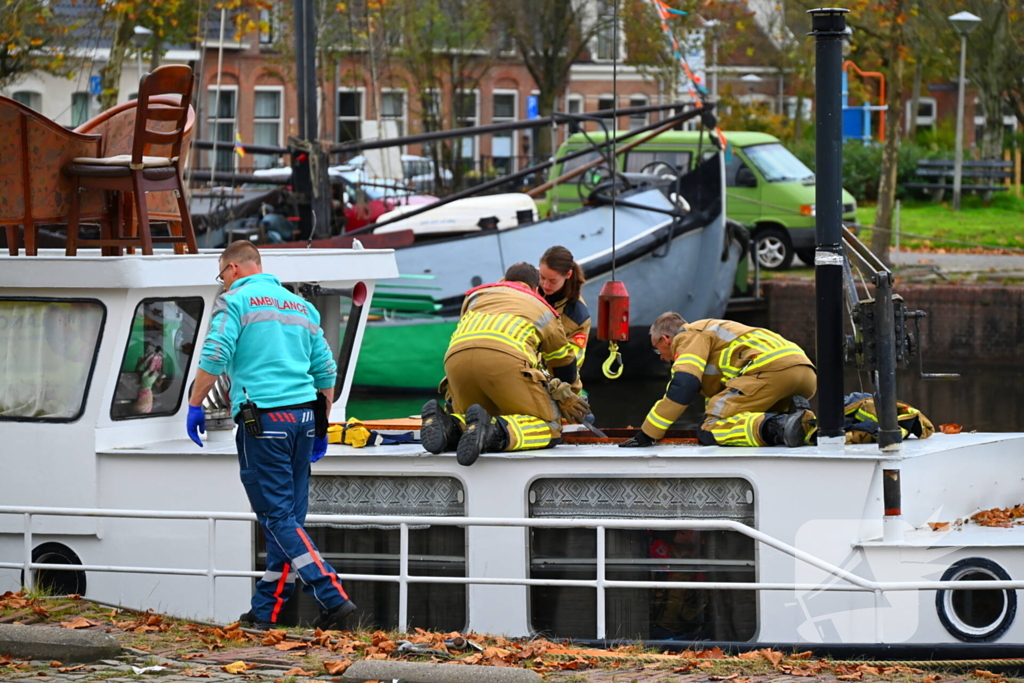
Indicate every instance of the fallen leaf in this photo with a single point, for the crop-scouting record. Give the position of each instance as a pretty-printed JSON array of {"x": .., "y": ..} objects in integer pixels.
[
  {"x": 238, "y": 667},
  {"x": 5, "y": 659},
  {"x": 69, "y": 669},
  {"x": 851, "y": 677},
  {"x": 939, "y": 526},
  {"x": 290, "y": 645},
  {"x": 723, "y": 678},
  {"x": 193, "y": 655},
  {"x": 196, "y": 673},
  {"x": 77, "y": 622},
  {"x": 951, "y": 428},
  {"x": 802, "y": 655},
  {"x": 932, "y": 679},
  {"x": 772, "y": 656},
  {"x": 713, "y": 653},
  {"x": 981, "y": 673},
  {"x": 683, "y": 669},
  {"x": 298, "y": 671},
  {"x": 337, "y": 668},
  {"x": 753, "y": 654},
  {"x": 55, "y": 664}
]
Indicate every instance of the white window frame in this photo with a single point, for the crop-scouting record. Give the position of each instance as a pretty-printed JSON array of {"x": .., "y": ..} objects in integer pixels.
[
  {"x": 403, "y": 118},
  {"x": 38, "y": 96},
  {"x": 621, "y": 47},
  {"x": 361, "y": 90},
  {"x": 476, "y": 120},
  {"x": 646, "y": 117},
  {"x": 266, "y": 38},
  {"x": 922, "y": 121},
  {"x": 505, "y": 119},
  {"x": 575, "y": 98},
  {"x": 808, "y": 105},
  {"x": 213, "y": 121},
  {"x": 279, "y": 89}
]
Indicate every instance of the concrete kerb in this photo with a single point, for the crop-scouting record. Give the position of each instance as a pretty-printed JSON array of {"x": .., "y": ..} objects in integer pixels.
[
  {"x": 61, "y": 644},
  {"x": 413, "y": 672}
]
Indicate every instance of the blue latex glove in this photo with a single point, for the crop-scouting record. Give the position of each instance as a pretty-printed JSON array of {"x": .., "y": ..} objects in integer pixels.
[
  {"x": 196, "y": 423},
  {"x": 319, "y": 448}
]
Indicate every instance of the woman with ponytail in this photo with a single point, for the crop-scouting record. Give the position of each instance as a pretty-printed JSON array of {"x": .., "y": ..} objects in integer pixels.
[{"x": 561, "y": 279}]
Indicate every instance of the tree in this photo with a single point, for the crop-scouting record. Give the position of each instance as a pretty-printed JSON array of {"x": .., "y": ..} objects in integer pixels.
[
  {"x": 550, "y": 36},
  {"x": 33, "y": 38},
  {"x": 170, "y": 21}
]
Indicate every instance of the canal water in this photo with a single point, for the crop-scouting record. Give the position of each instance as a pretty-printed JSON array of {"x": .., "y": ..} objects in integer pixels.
[{"x": 984, "y": 399}]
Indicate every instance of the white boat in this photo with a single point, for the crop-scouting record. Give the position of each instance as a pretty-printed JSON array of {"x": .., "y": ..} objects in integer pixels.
[
  {"x": 673, "y": 542},
  {"x": 464, "y": 215}
]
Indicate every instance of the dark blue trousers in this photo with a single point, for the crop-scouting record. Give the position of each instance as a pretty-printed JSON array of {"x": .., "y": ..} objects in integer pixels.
[{"x": 275, "y": 473}]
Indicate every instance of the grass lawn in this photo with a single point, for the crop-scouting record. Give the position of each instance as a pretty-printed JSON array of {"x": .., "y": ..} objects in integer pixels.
[{"x": 998, "y": 226}]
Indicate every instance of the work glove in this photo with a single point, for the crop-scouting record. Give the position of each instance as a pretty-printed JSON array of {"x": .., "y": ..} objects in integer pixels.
[
  {"x": 572, "y": 406},
  {"x": 639, "y": 439},
  {"x": 196, "y": 424},
  {"x": 319, "y": 448}
]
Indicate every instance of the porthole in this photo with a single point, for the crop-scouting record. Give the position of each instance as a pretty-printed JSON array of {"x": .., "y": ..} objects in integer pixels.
[
  {"x": 976, "y": 616},
  {"x": 57, "y": 581}
]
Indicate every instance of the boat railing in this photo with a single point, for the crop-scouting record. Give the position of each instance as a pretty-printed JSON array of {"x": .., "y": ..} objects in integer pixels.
[{"x": 850, "y": 582}]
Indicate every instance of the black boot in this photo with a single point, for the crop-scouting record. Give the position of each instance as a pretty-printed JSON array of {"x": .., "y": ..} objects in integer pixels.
[
  {"x": 439, "y": 432},
  {"x": 482, "y": 435},
  {"x": 334, "y": 619},
  {"x": 248, "y": 620},
  {"x": 784, "y": 430}
]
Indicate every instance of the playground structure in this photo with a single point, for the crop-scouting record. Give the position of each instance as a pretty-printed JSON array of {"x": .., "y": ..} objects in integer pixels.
[{"x": 857, "y": 119}]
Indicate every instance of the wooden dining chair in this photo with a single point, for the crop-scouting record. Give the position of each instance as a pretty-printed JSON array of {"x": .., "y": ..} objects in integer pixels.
[{"x": 139, "y": 172}]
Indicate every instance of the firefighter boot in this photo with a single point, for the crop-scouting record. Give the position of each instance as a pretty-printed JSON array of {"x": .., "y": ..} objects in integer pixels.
[
  {"x": 439, "y": 432},
  {"x": 482, "y": 434},
  {"x": 783, "y": 430}
]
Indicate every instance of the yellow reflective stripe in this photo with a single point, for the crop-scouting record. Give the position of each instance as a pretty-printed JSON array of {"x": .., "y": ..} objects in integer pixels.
[
  {"x": 690, "y": 359},
  {"x": 560, "y": 353},
  {"x": 457, "y": 338},
  {"x": 865, "y": 415},
  {"x": 761, "y": 361},
  {"x": 658, "y": 420},
  {"x": 580, "y": 355}
]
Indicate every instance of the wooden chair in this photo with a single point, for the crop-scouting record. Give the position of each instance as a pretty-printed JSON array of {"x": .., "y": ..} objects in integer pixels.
[
  {"x": 116, "y": 126},
  {"x": 33, "y": 150},
  {"x": 139, "y": 172}
]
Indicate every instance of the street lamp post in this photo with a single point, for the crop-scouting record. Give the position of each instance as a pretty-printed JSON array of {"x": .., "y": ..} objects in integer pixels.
[
  {"x": 711, "y": 26},
  {"x": 964, "y": 23}
]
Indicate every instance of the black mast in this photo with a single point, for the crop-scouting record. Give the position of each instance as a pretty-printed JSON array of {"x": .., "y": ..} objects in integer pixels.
[
  {"x": 829, "y": 28},
  {"x": 309, "y": 163}
]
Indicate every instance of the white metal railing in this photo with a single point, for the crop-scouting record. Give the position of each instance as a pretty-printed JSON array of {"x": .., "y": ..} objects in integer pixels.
[{"x": 853, "y": 583}]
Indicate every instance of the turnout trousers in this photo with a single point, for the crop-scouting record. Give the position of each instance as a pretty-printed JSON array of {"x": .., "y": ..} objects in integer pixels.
[
  {"x": 510, "y": 389},
  {"x": 274, "y": 469},
  {"x": 733, "y": 417}
]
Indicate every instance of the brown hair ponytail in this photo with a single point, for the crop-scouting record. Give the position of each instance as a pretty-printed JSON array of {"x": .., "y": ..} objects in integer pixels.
[{"x": 560, "y": 259}]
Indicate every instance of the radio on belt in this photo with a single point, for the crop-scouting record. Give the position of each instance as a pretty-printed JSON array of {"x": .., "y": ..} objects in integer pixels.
[{"x": 250, "y": 416}]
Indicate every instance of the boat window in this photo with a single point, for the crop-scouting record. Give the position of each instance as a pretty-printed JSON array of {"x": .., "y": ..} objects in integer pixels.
[
  {"x": 635, "y": 161},
  {"x": 777, "y": 164},
  {"x": 433, "y": 550},
  {"x": 47, "y": 354},
  {"x": 644, "y": 555},
  {"x": 573, "y": 164},
  {"x": 156, "y": 359}
]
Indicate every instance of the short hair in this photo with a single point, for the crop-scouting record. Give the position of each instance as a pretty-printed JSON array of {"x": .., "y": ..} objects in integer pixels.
[
  {"x": 524, "y": 272},
  {"x": 241, "y": 251},
  {"x": 667, "y": 325}
]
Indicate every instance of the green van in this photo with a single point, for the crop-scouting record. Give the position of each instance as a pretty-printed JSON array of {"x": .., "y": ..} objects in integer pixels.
[{"x": 769, "y": 190}]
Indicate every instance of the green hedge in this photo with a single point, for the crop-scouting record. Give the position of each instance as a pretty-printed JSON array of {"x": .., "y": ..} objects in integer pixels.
[{"x": 862, "y": 165}]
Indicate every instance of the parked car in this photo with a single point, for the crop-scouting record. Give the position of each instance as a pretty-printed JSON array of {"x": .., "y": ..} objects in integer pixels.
[
  {"x": 769, "y": 190},
  {"x": 417, "y": 172},
  {"x": 364, "y": 199}
]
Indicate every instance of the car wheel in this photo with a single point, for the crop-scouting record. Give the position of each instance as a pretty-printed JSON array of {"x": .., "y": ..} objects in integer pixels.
[
  {"x": 806, "y": 255},
  {"x": 774, "y": 250}
]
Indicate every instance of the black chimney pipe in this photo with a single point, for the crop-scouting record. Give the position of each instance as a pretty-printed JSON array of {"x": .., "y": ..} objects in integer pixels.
[{"x": 829, "y": 28}]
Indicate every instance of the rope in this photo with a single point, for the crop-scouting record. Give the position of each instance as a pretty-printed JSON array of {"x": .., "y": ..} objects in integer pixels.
[
  {"x": 615, "y": 131},
  {"x": 943, "y": 240}
]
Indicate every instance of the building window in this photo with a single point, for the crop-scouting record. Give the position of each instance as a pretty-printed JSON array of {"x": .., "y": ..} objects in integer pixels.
[
  {"x": 644, "y": 555},
  {"x": 637, "y": 120},
  {"x": 574, "y": 104},
  {"x": 503, "y": 144},
  {"x": 465, "y": 117},
  {"x": 434, "y": 550},
  {"x": 267, "y": 124},
  {"x": 79, "y": 108},
  {"x": 32, "y": 100},
  {"x": 266, "y": 26},
  {"x": 221, "y": 126},
  {"x": 156, "y": 359},
  {"x": 605, "y": 41},
  {"x": 50, "y": 350},
  {"x": 925, "y": 112},
  {"x": 392, "y": 108},
  {"x": 350, "y": 115}
]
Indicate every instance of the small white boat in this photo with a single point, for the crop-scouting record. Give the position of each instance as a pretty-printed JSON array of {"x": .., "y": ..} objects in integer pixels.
[{"x": 465, "y": 215}]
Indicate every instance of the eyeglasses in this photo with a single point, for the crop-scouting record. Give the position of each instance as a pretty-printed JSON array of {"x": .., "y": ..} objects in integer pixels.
[{"x": 220, "y": 276}]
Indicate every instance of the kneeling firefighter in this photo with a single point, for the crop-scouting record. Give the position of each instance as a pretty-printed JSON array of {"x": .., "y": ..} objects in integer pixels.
[
  {"x": 749, "y": 375},
  {"x": 500, "y": 397}
]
